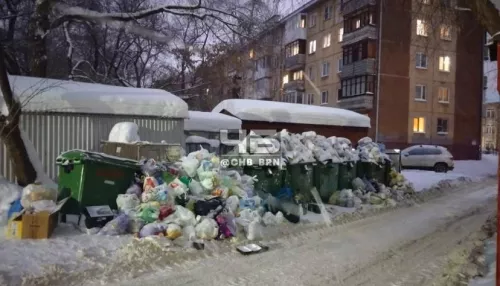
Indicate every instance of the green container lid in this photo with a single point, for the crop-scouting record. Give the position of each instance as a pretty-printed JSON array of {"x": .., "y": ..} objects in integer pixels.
[{"x": 81, "y": 156}]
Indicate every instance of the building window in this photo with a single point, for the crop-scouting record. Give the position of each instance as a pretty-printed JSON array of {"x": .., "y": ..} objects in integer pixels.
[
  {"x": 298, "y": 75},
  {"x": 442, "y": 126},
  {"x": 445, "y": 32},
  {"x": 422, "y": 28},
  {"x": 312, "y": 47},
  {"x": 311, "y": 73},
  {"x": 418, "y": 125},
  {"x": 421, "y": 60},
  {"x": 341, "y": 34},
  {"x": 443, "y": 95},
  {"x": 420, "y": 92},
  {"x": 360, "y": 20},
  {"x": 489, "y": 129},
  {"x": 328, "y": 12},
  {"x": 358, "y": 51},
  {"x": 426, "y": 2},
  {"x": 251, "y": 54},
  {"x": 294, "y": 97},
  {"x": 444, "y": 63},
  {"x": 358, "y": 85},
  {"x": 325, "y": 69},
  {"x": 324, "y": 97},
  {"x": 312, "y": 20},
  {"x": 490, "y": 113},
  {"x": 357, "y": 24},
  {"x": 310, "y": 99},
  {"x": 302, "y": 21},
  {"x": 295, "y": 48},
  {"x": 327, "y": 40},
  {"x": 285, "y": 79},
  {"x": 340, "y": 65},
  {"x": 338, "y": 15}
]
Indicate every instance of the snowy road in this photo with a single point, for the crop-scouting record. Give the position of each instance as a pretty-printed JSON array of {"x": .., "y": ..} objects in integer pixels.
[{"x": 403, "y": 247}]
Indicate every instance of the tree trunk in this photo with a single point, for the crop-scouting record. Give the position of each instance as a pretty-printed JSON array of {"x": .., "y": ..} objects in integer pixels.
[
  {"x": 18, "y": 155},
  {"x": 39, "y": 27}
]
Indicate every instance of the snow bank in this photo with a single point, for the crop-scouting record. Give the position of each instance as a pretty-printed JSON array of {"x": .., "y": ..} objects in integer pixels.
[
  {"x": 124, "y": 132},
  {"x": 487, "y": 166},
  {"x": 197, "y": 140},
  {"x": 37, "y": 94},
  {"x": 9, "y": 192},
  {"x": 210, "y": 121},
  {"x": 274, "y": 111}
]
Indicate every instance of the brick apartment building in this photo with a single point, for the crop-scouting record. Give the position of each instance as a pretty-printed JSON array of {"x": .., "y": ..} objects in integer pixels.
[{"x": 418, "y": 76}]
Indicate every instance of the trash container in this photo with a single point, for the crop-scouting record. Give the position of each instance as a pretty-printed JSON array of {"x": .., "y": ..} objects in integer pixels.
[
  {"x": 347, "y": 173},
  {"x": 365, "y": 169},
  {"x": 93, "y": 179},
  {"x": 300, "y": 178},
  {"x": 326, "y": 179},
  {"x": 270, "y": 179},
  {"x": 395, "y": 156}
]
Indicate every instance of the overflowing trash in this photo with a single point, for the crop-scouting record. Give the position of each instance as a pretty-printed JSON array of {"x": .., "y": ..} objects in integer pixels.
[{"x": 369, "y": 151}]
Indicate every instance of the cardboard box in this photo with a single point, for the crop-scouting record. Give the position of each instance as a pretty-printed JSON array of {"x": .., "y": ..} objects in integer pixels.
[{"x": 40, "y": 225}]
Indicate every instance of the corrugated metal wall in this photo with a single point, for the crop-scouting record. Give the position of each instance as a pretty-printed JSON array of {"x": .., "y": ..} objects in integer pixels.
[{"x": 54, "y": 133}]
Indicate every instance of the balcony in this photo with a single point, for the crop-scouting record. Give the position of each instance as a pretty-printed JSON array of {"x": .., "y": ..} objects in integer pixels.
[
  {"x": 362, "y": 67},
  {"x": 295, "y": 62},
  {"x": 360, "y": 102},
  {"x": 367, "y": 32},
  {"x": 349, "y": 6},
  {"x": 295, "y": 29},
  {"x": 262, "y": 73},
  {"x": 295, "y": 85}
]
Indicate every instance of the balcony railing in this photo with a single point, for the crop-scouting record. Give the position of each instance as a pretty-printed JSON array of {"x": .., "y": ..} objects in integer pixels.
[
  {"x": 359, "y": 102},
  {"x": 367, "y": 32},
  {"x": 262, "y": 73},
  {"x": 295, "y": 62},
  {"x": 294, "y": 85},
  {"x": 349, "y": 6},
  {"x": 362, "y": 67}
]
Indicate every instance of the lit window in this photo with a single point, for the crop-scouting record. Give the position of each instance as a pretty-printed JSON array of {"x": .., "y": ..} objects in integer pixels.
[
  {"x": 421, "y": 60},
  {"x": 444, "y": 95},
  {"x": 418, "y": 125},
  {"x": 285, "y": 79},
  {"x": 298, "y": 75},
  {"x": 358, "y": 23},
  {"x": 327, "y": 40},
  {"x": 251, "y": 54},
  {"x": 442, "y": 126},
  {"x": 325, "y": 69},
  {"x": 324, "y": 97},
  {"x": 444, "y": 63},
  {"x": 302, "y": 22},
  {"x": 421, "y": 28},
  {"x": 445, "y": 32},
  {"x": 420, "y": 92},
  {"x": 340, "y": 65},
  {"x": 312, "y": 47},
  {"x": 341, "y": 34}
]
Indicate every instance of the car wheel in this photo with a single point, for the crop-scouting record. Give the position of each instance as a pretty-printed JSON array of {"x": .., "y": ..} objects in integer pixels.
[{"x": 441, "y": 168}]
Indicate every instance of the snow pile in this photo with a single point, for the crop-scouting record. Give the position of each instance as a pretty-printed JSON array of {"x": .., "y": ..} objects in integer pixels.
[
  {"x": 211, "y": 122},
  {"x": 197, "y": 140},
  {"x": 369, "y": 151},
  {"x": 274, "y": 111},
  {"x": 40, "y": 94},
  {"x": 124, "y": 132},
  {"x": 8, "y": 193}
]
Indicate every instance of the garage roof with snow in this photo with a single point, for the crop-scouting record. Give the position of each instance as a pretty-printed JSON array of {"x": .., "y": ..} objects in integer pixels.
[
  {"x": 51, "y": 95},
  {"x": 210, "y": 121},
  {"x": 275, "y": 111}
]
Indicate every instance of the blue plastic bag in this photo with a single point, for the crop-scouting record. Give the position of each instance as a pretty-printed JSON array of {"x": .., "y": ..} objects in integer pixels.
[{"x": 15, "y": 207}]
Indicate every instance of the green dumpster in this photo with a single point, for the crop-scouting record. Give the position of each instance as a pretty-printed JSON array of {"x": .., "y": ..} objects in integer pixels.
[
  {"x": 383, "y": 172},
  {"x": 270, "y": 179},
  {"x": 365, "y": 169},
  {"x": 300, "y": 178},
  {"x": 347, "y": 173},
  {"x": 326, "y": 179},
  {"x": 93, "y": 179}
]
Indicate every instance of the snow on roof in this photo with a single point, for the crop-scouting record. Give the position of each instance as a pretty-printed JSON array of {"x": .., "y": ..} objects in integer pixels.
[
  {"x": 51, "y": 95},
  {"x": 210, "y": 121},
  {"x": 274, "y": 111},
  {"x": 194, "y": 139}
]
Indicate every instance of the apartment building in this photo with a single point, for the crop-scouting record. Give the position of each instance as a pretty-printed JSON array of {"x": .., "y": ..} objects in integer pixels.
[
  {"x": 415, "y": 72},
  {"x": 490, "y": 126}
]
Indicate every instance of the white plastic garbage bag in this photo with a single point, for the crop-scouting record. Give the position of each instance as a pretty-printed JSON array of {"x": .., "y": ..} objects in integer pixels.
[
  {"x": 190, "y": 165},
  {"x": 232, "y": 203},
  {"x": 127, "y": 202},
  {"x": 34, "y": 192},
  {"x": 207, "y": 229},
  {"x": 189, "y": 233},
  {"x": 195, "y": 188},
  {"x": 181, "y": 216},
  {"x": 255, "y": 230}
]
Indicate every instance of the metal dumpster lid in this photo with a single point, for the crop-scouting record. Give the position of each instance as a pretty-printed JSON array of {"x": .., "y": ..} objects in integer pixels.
[{"x": 80, "y": 156}]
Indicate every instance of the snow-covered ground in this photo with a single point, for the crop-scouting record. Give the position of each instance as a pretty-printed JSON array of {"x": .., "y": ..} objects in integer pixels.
[{"x": 472, "y": 169}]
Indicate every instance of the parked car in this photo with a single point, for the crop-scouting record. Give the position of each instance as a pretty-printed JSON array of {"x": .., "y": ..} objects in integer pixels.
[{"x": 427, "y": 157}]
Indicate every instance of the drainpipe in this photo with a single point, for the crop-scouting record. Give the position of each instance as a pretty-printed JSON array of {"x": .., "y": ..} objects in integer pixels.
[{"x": 378, "y": 70}]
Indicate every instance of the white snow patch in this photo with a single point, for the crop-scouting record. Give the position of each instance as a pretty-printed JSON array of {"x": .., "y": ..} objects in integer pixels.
[
  {"x": 37, "y": 94},
  {"x": 197, "y": 140},
  {"x": 487, "y": 166},
  {"x": 41, "y": 176},
  {"x": 9, "y": 192},
  {"x": 124, "y": 132},
  {"x": 274, "y": 111},
  {"x": 210, "y": 121},
  {"x": 214, "y": 143}
]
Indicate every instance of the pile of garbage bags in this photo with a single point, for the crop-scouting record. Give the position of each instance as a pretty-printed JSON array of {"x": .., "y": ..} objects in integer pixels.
[
  {"x": 192, "y": 198},
  {"x": 310, "y": 147},
  {"x": 369, "y": 151}
]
